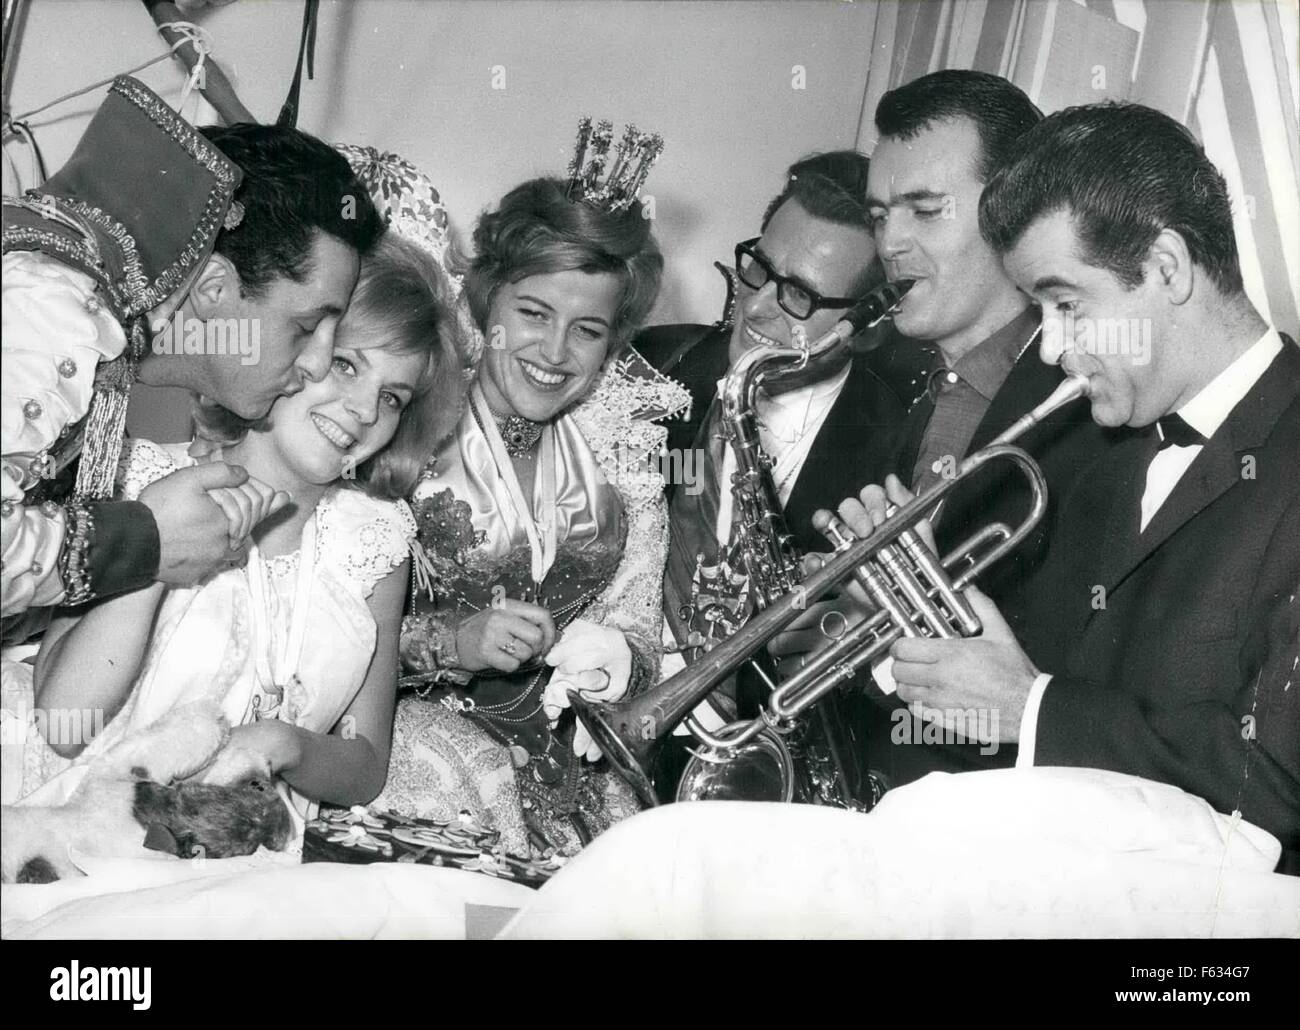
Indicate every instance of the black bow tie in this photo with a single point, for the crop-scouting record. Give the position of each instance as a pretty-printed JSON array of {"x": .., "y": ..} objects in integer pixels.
[{"x": 1176, "y": 432}]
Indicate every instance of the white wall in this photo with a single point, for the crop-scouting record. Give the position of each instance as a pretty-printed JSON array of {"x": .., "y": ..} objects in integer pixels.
[{"x": 415, "y": 77}]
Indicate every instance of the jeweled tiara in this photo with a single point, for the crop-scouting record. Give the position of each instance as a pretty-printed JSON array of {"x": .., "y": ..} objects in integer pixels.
[{"x": 617, "y": 188}]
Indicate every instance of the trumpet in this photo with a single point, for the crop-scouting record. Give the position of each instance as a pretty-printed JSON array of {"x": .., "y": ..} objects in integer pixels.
[{"x": 915, "y": 594}]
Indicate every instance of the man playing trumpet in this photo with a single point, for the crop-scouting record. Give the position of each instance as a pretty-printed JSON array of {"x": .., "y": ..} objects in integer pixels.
[
  {"x": 1178, "y": 558},
  {"x": 942, "y": 137}
]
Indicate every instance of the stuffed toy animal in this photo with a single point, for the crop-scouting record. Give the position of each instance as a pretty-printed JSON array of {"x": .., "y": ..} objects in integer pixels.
[{"x": 174, "y": 786}]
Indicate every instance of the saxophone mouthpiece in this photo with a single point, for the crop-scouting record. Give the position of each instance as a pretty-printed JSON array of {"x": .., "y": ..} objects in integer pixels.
[
  {"x": 879, "y": 303},
  {"x": 863, "y": 315}
]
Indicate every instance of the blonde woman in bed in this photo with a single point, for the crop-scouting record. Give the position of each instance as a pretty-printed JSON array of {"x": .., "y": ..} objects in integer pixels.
[{"x": 298, "y": 647}]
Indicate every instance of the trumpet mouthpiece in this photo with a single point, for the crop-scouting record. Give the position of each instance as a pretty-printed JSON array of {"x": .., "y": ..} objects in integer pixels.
[
  {"x": 1077, "y": 386},
  {"x": 1069, "y": 390}
]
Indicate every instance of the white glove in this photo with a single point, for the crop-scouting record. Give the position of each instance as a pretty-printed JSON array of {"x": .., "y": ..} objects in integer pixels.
[{"x": 594, "y": 660}]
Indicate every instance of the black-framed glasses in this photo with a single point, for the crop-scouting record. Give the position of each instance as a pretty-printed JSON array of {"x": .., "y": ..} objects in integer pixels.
[{"x": 795, "y": 299}]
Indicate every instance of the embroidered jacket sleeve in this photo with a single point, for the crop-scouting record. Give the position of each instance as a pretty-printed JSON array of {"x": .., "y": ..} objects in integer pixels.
[{"x": 55, "y": 334}]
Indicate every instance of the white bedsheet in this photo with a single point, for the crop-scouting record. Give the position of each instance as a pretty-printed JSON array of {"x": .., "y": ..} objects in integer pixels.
[
  {"x": 256, "y": 900},
  {"x": 1012, "y": 853}
]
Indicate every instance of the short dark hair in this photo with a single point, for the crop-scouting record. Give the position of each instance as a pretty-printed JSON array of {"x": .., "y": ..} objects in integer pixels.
[
  {"x": 830, "y": 186},
  {"x": 537, "y": 230},
  {"x": 1001, "y": 111},
  {"x": 833, "y": 187},
  {"x": 1124, "y": 172},
  {"x": 294, "y": 185}
]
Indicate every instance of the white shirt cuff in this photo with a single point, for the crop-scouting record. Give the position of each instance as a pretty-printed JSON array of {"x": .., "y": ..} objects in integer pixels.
[
  {"x": 1029, "y": 721},
  {"x": 883, "y": 673}
]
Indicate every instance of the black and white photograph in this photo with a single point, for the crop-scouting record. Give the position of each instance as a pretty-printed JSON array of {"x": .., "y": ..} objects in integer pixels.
[{"x": 620, "y": 470}]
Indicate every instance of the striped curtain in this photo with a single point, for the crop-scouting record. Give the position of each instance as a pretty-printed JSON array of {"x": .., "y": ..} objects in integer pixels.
[{"x": 1227, "y": 69}]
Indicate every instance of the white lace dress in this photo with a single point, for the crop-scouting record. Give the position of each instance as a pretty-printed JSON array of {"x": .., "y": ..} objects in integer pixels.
[{"x": 204, "y": 643}]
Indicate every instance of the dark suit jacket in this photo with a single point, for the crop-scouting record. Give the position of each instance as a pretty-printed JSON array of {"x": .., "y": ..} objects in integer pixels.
[
  {"x": 1195, "y": 650},
  {"x": 852, "y": 447}
]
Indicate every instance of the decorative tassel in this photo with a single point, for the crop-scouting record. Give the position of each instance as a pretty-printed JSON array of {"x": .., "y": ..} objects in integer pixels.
[
  {"x": 423, "y": 569},
  {"x": 101, "y": 443}
]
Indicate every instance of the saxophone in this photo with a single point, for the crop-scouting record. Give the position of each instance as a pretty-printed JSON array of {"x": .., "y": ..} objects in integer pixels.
[{"x": 817, "y": 762}]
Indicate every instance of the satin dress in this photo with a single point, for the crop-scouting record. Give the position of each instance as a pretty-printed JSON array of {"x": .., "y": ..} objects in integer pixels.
[{"x": 487, "y": 750}]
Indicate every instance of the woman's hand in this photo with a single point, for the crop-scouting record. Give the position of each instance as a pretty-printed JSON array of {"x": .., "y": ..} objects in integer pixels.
[
  {"x": 245, "y": 506},
  {"x": 260, "y": 750},
  {"x": 594, "y": 660},
  {"x": 505, "y": 636}
]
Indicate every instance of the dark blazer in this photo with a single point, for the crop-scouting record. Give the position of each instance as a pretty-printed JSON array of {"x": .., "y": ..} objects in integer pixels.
[
  {"x": 1188, "y": 673},
  {"x": 852, "y": 448}
]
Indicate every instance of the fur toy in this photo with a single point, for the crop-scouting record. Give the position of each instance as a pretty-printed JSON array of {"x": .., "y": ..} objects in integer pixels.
[{"x": 146, "y": 790}]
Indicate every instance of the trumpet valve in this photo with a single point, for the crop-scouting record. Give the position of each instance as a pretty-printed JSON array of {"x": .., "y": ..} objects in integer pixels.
[{"x": 834, "y": 529}]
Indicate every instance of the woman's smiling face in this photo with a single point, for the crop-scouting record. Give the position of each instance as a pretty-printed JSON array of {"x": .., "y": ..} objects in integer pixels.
[
  {"x": 547, "y": 337},
  {"x": 334, "y": 425}
]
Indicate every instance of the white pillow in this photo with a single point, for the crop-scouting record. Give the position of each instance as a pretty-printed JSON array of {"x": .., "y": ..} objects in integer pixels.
[{"x": 1086, "y": 810}]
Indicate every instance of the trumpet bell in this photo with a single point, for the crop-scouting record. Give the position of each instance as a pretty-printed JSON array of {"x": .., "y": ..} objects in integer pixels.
[
  {"x": 623, "y": 738},
  {"x": 759, "y": 770}
]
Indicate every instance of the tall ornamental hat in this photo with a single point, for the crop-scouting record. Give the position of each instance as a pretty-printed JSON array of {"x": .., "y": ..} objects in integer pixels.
[{"x": 137, "y": 206}]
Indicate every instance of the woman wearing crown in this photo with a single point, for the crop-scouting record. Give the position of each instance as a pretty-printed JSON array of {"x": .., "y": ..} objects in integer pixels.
[{"x": 542, "y": 519}]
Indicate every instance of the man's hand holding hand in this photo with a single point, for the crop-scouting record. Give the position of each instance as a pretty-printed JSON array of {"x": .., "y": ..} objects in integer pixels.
[{"x": 198, "y": 511}]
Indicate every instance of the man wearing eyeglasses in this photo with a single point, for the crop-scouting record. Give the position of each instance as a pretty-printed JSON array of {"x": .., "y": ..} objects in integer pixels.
[{"x": 826, "y": 430}]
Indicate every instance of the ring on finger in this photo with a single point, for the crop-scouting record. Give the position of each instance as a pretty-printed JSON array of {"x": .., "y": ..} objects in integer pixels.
[
  {"x": 509, "y": 647},
  {"x": 842, "y": 625},
  {"x": 593, "y": 691}
]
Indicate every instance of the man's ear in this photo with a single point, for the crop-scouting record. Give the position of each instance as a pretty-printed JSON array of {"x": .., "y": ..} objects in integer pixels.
[
  {"x": 1170, "y": 262},
  {"x": 215, "y": 287}
]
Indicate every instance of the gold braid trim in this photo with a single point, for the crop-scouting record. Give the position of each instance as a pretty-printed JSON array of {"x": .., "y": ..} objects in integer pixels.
[{"x": 79, "y": 527}]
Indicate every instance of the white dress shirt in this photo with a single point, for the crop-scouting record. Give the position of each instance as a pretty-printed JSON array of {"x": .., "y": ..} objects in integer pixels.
[
  {"x": 788, "y": 423},
  {"x": 1206, "y": 413}
]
